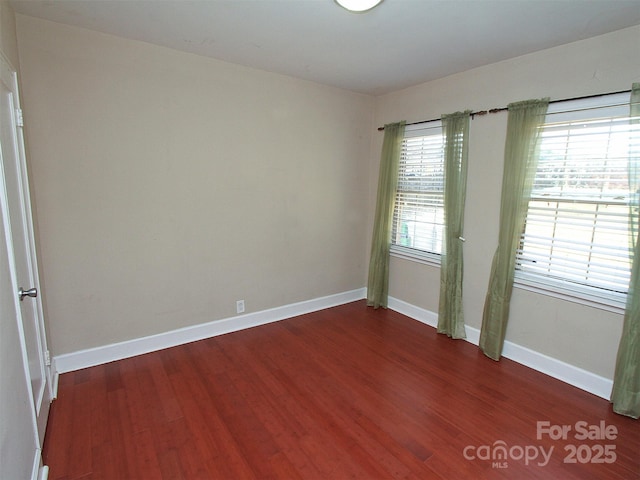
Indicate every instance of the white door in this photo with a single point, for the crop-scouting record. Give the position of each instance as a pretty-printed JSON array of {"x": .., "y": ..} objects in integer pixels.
[
  {"x": 19, "y": 449},
  {"x": 20, "y": 225}
]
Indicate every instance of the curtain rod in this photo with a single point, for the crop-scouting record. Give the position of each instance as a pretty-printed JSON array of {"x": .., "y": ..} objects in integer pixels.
[{"x": 502, "y": 109}]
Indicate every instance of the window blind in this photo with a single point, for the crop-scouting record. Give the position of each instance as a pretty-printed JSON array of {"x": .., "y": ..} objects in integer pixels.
[
  {"x": 577, "y": 225},
  {"x": 418, "y": 220}
]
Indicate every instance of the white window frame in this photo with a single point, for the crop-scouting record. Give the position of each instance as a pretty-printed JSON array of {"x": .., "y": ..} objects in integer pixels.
[
  {"x": 566, "y": 290},
  {"x": 409, "y": 253}
]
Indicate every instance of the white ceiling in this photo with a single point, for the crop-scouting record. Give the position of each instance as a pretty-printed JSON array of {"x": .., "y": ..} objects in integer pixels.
[{"x": 398, "y": 44}]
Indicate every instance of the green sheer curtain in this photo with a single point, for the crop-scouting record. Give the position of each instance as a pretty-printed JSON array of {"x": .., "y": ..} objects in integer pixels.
[
  {"x": 625, "y": 395},
  {"x": 456, "y": 132},
  {"x": 378, "y": 283},
  {"x": 520, "y": 161}
]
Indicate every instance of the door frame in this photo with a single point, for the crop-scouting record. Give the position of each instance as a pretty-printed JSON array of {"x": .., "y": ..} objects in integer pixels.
[{"x": 40, "y": 406}]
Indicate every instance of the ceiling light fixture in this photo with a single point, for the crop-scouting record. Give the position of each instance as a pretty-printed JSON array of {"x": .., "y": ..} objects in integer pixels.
[{"x": 358, "y": 5}]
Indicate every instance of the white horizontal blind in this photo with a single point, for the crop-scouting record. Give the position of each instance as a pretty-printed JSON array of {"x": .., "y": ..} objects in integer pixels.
[
  {"x": 418, "y": 219},
  {"x": 577, "y": 226}
]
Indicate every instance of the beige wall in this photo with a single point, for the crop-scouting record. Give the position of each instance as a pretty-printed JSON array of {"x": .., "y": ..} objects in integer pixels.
[
  {"x": 168, "y": 186},
  {"x": 579, "y": 335},
  {"x": 8, "y": 41}
]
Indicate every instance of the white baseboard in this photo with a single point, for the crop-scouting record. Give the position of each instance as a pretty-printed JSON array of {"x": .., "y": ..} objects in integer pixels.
[
  {"x": 96, "y": 356},
  {"x": 553, "y": 367},
  {"x": 43, "y": 473},
  {"x": 417, "y": 313},
  {"x": 55, "y": 376},
  {"x": 39, "y": 471}
]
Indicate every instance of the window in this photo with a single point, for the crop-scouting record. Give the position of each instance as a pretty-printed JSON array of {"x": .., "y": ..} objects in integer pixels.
[
  {"x": 418, "y": 217},
  {"x": 576, "y": 238}
]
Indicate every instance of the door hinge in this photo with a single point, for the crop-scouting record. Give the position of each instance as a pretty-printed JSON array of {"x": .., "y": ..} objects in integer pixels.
[
  {"x": 19, "y": 118},
  {"x": 47, "y": 358}
]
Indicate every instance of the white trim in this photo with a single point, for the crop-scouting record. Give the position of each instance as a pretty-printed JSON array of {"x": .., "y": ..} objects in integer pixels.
[
  {"x": 578, "y": 377},
  {"x": 415, "y": 255},
  {"x": 425, "y": 316},
  {"x": 573, "y": 110},
  {"x": 39, "y": 471},
  {"x": 54, "y": 381},
  {"x": 117, "y": 351},
  {"x": 558, "y": 369},
  {"x": 423, "y": 129},
  {"x": 592, "y": 297},
  {"x": 555, "y": 368}
]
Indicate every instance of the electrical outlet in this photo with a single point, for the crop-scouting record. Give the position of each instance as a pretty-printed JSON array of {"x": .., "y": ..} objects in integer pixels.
[{"x": 240, "y": 306}]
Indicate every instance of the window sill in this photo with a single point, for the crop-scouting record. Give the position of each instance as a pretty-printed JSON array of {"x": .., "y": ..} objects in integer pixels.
[
  {"x": 587, "y": 296},
  {"x": 418, "y": 256}
]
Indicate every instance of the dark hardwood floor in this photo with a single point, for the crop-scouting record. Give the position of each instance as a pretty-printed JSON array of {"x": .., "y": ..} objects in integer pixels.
[{"x": 348, "y": 392}]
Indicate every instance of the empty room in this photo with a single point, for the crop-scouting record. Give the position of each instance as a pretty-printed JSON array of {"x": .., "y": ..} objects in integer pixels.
[{"x": 319, "y": 239}]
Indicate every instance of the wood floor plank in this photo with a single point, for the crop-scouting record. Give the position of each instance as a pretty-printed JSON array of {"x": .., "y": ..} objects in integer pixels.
[
  {"x": 121, "y": 434},
  {"x": 80, "y": 450},
  {"x": 99, "y": 415},
  {"x": 257, "y": 383},
  {"x": 211, "y": 435},
  {"x": 61, "y": 415},
  {"x": 338, "y": 406},
  {"x": 146, "y": 454},
  {"x": 347, "y": 392}
]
